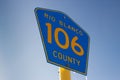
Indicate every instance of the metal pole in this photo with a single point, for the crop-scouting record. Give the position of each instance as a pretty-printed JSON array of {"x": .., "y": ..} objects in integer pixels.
[{"x": 64, "y": 74}]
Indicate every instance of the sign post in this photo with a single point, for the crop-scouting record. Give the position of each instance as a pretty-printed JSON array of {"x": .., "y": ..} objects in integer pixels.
[
  {"x": 65, "y": 43},
  {"x": 64, "y": 74}
]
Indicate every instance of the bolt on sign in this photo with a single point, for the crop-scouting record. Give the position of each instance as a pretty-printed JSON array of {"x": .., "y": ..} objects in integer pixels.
[{"x": 65, "y": 43}]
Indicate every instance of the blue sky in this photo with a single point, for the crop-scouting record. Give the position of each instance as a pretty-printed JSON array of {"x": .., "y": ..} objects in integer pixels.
[{"x": 21, "y": 51}]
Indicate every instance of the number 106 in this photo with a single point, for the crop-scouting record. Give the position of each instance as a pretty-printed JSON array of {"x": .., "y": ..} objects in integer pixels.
[{"x": 67, "y": 43}]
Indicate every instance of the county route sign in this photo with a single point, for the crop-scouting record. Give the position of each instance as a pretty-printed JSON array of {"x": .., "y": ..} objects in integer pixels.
[{"x": 65, "y": 43}]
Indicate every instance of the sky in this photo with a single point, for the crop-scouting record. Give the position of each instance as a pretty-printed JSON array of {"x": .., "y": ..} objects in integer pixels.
[{"x": 22, "y": 55}]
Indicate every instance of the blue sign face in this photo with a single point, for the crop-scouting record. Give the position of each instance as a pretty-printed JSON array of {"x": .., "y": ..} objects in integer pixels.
[{"x": 65, "y": 43}]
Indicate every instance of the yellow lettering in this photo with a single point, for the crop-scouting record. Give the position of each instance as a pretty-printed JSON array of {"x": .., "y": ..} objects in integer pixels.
[
  {"x": 66, "y": 58},
  {"x": 59, "y": 55},
  {"x": 69, "y": 59},
  {"x": 49, "y": 32},
  {"x": 78, "y": 62},
  {"x": 46, "y": 15},
  {"x": 61, "y": 23},
  {"x": 52, "y": 18},
  {"x": 73, "y": 29},
  {"x": 76, "y": 30},
  {"x": 54, "y": 54},
  {"x": 73, "y": 44},
  {"x": 81, "y": 33},
  {"x": 74, "y": 60},
  {"x": 66, "y": 45}
]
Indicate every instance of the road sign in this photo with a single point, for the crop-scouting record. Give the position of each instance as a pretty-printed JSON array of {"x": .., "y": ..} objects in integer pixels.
[{"x": 65, "y": 43}]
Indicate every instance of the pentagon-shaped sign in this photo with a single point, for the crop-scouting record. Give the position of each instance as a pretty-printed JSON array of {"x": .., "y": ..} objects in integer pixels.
[{"x": 65, "y": 43}]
